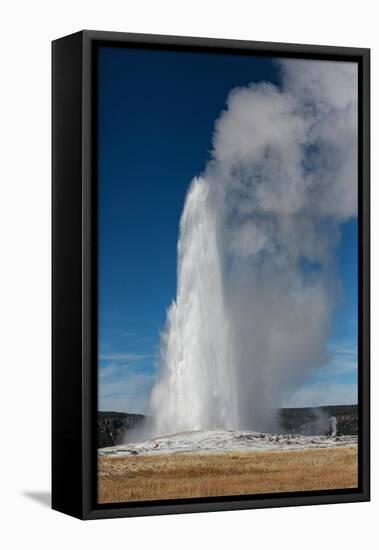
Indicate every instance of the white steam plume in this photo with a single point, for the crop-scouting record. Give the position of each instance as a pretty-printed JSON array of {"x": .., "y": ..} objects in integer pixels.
[{"x": 256, "y": 281}]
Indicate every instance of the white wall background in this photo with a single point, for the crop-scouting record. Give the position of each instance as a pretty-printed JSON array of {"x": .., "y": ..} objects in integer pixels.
[{"x": 27, "y": 27}]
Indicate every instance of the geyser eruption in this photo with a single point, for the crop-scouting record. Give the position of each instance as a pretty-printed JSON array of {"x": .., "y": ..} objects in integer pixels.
[{"x": 255, "y": 280}]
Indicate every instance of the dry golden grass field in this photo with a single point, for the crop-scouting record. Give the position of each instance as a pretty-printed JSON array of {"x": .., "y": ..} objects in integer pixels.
[{"x": 123, "y": 479}]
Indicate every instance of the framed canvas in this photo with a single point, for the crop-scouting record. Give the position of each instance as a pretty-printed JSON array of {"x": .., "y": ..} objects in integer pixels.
[{"x": 210, "y": 275}]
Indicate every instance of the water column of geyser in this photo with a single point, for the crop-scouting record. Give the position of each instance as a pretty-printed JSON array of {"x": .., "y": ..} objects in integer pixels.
[{"x": 255, "y": 277}]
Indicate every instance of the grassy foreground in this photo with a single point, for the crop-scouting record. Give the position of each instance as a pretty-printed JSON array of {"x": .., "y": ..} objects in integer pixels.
[{"x": 123, "y": 479}]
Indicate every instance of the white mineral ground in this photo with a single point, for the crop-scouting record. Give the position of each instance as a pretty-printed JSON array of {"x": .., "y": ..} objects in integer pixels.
[{"x": 221, "y": 441}]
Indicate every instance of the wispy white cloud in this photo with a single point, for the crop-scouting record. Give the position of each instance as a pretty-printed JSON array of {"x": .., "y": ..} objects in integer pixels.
[
  {"x": 343, "y": 359},
  {"x": 145, "y": 338},
  {"x": 324, "y": 393},
  {"x": 344, "y": 349},
  {"x": 335, "y": 383},
  {"x": 112, "y": 370},
  {"x": 124, "y": 356},
  {"x": 128, "y": 392}
]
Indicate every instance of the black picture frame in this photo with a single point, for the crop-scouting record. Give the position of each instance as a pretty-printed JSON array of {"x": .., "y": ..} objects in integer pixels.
[{"x": 74, "y": 272}]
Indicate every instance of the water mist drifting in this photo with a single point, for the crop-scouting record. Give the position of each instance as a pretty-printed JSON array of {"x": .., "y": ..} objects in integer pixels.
[{"x": 255, "y": 281}]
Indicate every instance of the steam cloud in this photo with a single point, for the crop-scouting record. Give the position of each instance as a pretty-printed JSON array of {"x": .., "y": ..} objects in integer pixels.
[{"x": 256, "y": 280}]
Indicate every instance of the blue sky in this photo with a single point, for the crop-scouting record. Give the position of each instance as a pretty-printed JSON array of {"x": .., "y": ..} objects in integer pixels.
[{"x": 156, "y": 114}]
